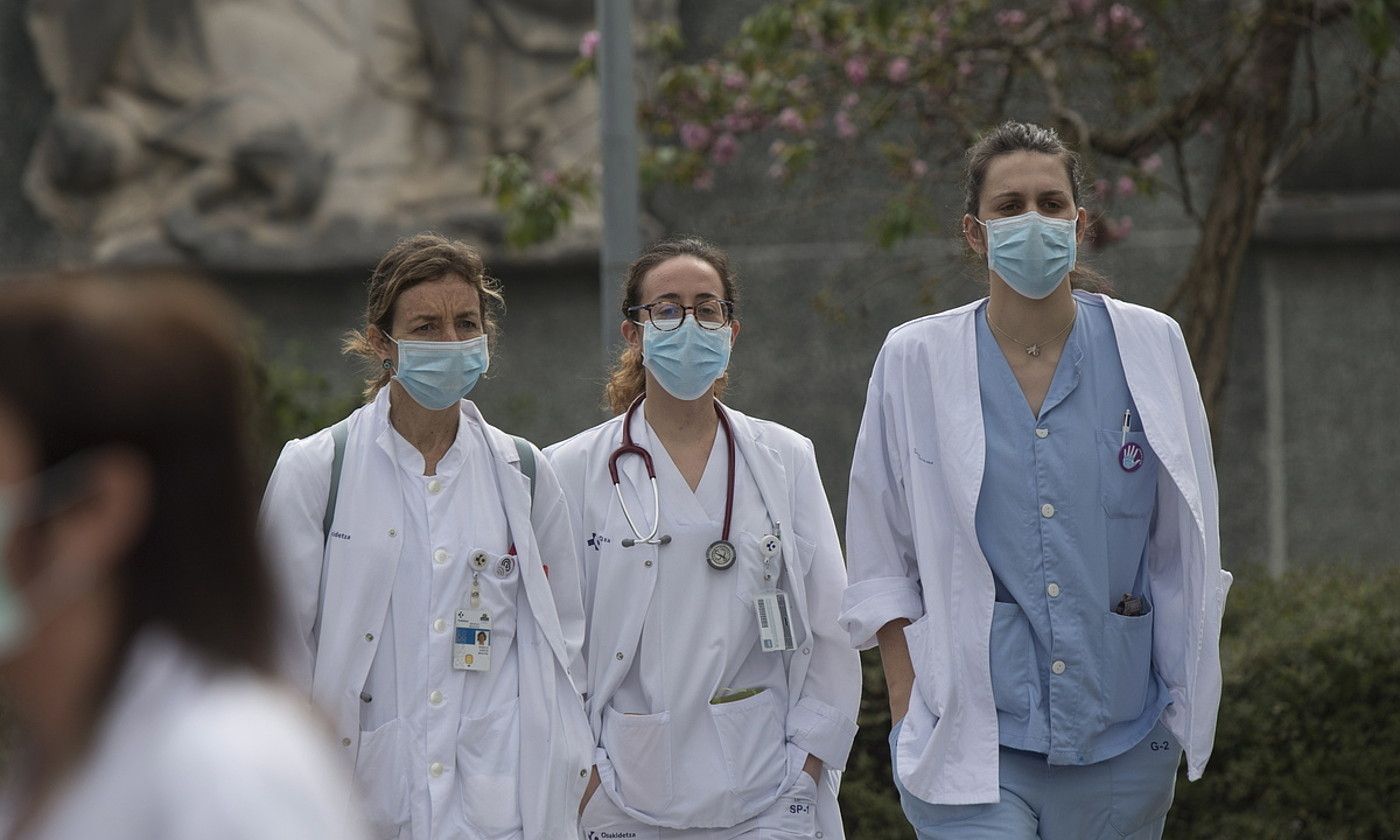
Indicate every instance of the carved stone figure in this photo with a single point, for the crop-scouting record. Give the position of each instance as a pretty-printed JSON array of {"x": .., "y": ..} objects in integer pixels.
[{"x": 301, "y": 134}]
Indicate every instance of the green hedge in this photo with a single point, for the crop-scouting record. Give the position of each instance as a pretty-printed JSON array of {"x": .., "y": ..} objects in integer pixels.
[{"x": 1308, "y": 743}]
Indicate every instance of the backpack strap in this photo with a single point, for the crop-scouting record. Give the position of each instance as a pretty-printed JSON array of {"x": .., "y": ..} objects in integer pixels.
[
  {"x": 527, "y": 462},
  {"x": 340, "y": 432}
]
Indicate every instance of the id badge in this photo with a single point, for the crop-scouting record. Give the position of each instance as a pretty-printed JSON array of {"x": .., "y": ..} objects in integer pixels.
[
  {"x": 774, "y": 621},
  {"x": 471, "y": 647}
]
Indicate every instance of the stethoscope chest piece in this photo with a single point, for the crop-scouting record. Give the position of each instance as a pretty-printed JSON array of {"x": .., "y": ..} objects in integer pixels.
[{"x": 721, "y": 555}]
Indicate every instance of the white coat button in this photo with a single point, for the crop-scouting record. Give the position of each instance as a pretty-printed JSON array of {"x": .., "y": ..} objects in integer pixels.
[
  {"x": 1053, "y": 590},
  {"x": 345, "y": 742},
  {"x": 619, "y": 654},
  {"x": 435, "y": 698},
  {"x": 1058, "y": 666},
  {"x": 1042, "y": 433},
  {"x": 1047, "y": 510},
  {"x": 369, "y": 637},
  {"x": 583, "y": 774},
  {"x": 806, "y": 651},
  {"x": 435, "y": 769},
  {"x": 440, "y": 556},
  {"x": 440, "y": 626},
  {"x": 435, "y": 487},
  {"x": 647, "y": 564},
  {"x": 393, "y": 532}
]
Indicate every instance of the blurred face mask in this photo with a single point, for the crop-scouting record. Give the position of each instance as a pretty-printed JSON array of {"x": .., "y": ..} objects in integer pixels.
[
  {"x": 439, "y": 373},
  {"x": 1031, "y": 252},
  {"x": 686, "y": 361}
]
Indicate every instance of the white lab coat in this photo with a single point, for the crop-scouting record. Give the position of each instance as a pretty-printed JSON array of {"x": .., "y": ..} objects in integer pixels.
[
  {"x": 823, "y": 673},
  {"x": 361, "y": 558},
  {"x": 911, "y": 536},
  {"x": 184, "y": 751}
]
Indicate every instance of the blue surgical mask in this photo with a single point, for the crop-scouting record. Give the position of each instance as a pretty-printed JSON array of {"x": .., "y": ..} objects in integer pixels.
[
  {"x": 437, "y": 374},
  {"x": 1031, "y": 252},
  {"x": 686, "y": 361}
]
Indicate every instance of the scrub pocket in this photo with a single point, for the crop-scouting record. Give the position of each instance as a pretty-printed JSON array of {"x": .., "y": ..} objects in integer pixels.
[
  {"x": 639, "y": 747},
  {"x": 1127, "y": 672},
  {"x": 1126, "y": 495},
  {"x": 488, "y": 758},
  {"x": 381, "y": 774},
  {"x": 1144, "y": 781},
  {"x": 1015, "y": 678},
  {"x": 754, "y": 744}
]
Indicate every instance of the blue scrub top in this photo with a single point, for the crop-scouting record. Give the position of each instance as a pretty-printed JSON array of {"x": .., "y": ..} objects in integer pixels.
[{"x": 1065, "y": 530}]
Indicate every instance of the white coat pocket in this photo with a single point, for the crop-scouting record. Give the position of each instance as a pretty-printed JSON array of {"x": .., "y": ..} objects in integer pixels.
[
  {"x": 488, "y": 758},
  {"x": 754, "y": 743},
  {"x": 639, "y": 747},
  {"x": 381, "y": 774}
]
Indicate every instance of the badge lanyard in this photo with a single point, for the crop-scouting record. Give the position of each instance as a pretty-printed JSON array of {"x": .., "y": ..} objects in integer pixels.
[
  {"x": 471, "y": 642},
  {"x": 771, "y": 603}
]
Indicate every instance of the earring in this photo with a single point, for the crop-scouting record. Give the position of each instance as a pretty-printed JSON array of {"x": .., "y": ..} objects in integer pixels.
[{"x": 388, "y": 365}]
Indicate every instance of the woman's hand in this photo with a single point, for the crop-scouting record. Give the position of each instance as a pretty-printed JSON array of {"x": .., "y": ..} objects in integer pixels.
[
  {"x": 899, "y": 668},
  {"x": 813, "y": 767}
]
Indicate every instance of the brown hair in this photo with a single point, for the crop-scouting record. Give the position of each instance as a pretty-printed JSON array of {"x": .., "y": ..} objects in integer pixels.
[
  {"x": 628, "y": 380},
  {"x": 413, "y": 260},
  {"x": 157, "y": 366},
  {"x": 1013, "y": 136}
]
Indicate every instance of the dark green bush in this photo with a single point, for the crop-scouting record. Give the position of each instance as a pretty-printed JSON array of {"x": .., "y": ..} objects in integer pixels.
[{"x": 1308, "y": 744}]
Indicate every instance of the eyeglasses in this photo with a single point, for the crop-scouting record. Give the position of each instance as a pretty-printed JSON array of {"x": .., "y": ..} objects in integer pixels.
[{"x": 666, "y": 315}]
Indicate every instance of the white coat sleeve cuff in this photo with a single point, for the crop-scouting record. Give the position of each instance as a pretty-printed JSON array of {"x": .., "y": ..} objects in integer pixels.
[
  {"x": 820, "y": 730},
  {"x": 868, "y": 605}
]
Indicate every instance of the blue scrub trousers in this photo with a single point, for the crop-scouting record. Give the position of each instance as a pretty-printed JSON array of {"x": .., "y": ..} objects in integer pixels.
[{"x": 1126, "y": 796}]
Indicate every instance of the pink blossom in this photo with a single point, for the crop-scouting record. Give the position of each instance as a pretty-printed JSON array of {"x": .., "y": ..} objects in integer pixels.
[
  {"x": 1126, "y": 186},
  {"x": 550, "y": 178},
  {"x": 1011, "y": 19},
  {"x": 1125, "y": 227},
  {"x": 1101, "y": 189},
  {"x": 918, "y": 168},
  {"x": 898, "y": 70},
  {"x": 725, "y": 149},
  {"x": 798, "y": 85},
  {"x": 1151, "y": 165},
  {"x": 857, "y": 71},
  {"x": 734, "y": 79},
  {"x": 790, "y": 120},
  {"x": 777, "y": 148},
  {"x": 705, "y": 180},
  {"x": 1100, "y": 24},
  {"x": 1118, "y": 14},
  {"x": 965, "y": 67},
  {"x": 1136, "y": 43},
  {"x": 695, "y": 136},
  {"x": 845, "y": 129},
  {"x": 588, "y": 44},
  {"x": 738, "y": 123},
  {"x": 850, "y": 100},
  {"x": 777, "y": 172},
  {"x": 1083, "y": 7}
]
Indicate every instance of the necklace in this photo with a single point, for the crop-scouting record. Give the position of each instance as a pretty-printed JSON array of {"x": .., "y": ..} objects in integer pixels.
[{"x": 1034, "y": 349}]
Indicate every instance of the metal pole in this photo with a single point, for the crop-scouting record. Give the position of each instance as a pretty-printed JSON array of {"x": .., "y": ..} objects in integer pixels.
[{"x": 621, "y": 185}]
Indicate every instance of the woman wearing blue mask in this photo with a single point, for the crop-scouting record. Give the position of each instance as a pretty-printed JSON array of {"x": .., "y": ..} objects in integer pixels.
[
  {"x": 431, "y": 576},
  {"x": 1034, "y": 534},
  {"x": 721, "y": 694}
]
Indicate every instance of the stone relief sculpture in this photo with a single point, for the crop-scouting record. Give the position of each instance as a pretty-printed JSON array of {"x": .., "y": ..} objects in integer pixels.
[{"x": 276, "y": 134}]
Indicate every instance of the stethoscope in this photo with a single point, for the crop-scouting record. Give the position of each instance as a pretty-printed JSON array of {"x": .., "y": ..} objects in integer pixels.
[{"x": 721, "y": 554}]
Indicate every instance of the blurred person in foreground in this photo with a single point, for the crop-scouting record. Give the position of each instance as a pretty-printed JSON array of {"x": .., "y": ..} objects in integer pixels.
[{"x": 135, "y": 609}]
